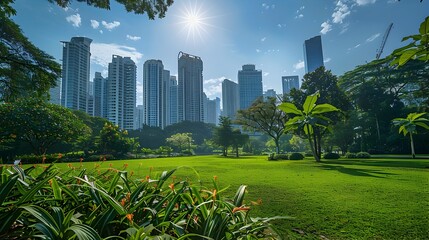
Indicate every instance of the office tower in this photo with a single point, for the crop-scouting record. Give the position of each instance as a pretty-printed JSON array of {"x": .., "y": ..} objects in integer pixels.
[
  {"x": 190, "y": 88},
  {"x": 55, "y": 93},
  {"x": 212, "y": 107},
  {"x": 313, "y": 54},
  {"x": 75, "y": 73},
  {"x": 173, "y": 101},
  {"x": 230, "y": 99},
  {"x": 249, "y": 85},
  {"x": 121, "y": 92},
  {"x": 100, "y": 95},
  {"x": 289, "y": 82},
  {"x": 270, "y": 93},
  {"x": 153, "y": 93},
  {"x": 165, "y": 98},
  {"x": 139, "y": 117},
  {"x": 90, "y": 108},
  {"x": 205, "y": 103}
]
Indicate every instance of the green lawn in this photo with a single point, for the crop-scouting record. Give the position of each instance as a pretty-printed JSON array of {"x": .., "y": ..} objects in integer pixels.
[{"x": 337, "y": 199}]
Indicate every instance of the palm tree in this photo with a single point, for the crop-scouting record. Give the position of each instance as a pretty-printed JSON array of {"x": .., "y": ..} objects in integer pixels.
[
  {"x": 409, "y": 126},
  {"x": 309, "y": 118}
]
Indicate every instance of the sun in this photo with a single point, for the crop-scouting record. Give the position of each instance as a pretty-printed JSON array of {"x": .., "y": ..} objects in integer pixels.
[{"x": 194, "y": 21}]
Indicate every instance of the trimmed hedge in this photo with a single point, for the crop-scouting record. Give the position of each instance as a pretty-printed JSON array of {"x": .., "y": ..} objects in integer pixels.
[
  {"x": 363, "y": 155},
  {"x": 296, "y": 156},
  {"x": 350, "y": 155},
  {"x": 331, "y": 156}
]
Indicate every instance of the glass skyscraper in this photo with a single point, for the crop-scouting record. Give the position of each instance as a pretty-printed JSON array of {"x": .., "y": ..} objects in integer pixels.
[
  {"x": 249, "y": 84},
  {"x": 313, "y": 54},
  {"x": 153, "y": 93},
  {"x": 289, "y": 82},
  {"x": 230, "y": 99}
]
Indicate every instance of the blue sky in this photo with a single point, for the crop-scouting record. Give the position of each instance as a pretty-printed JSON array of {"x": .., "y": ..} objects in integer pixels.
[{"x": 227, "y": 34}]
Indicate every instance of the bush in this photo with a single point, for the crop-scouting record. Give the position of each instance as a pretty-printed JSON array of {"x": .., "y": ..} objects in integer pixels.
[
  {"x": 308, "y": 154},
  {"x": 296, "y": 156},
  {"x": 350, "y": 155},
  {"x": 272, "y": 157},
  {"x": 281, "y": 156},
  {"x": 363, "y": 155},
  {"x": 101, "y": 157},
  {"x": 113, "y": 204},
  {"x": 331, "y": 155}
]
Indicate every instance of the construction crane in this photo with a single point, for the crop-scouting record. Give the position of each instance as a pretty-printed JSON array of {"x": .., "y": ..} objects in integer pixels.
[{"x": 383, "y": 42}]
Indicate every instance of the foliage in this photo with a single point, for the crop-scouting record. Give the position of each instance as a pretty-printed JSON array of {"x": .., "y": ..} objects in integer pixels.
[
  {"x": 200, "y": 131},
  {"x": 280, "y": 157},
  {"x": 238, "y": 140},
  {"x": 264, "y": 116},
  {"x": 223, "y": 134},
  {"x": 311, "y": 117},
  {"x": 151, "y": 8},
  {"x": 149, "y": 137},
  {"x": 331, "y": 155},
  {"x": 39, "y": 123},
  {"x": 114, "y": 140},
  {"x": 112, "y": 204},
  {"x": 363, "y": 155},
  {"x": 25, "y": 70},
  {"x": 418, "y": 49},
  {"x": 408, "y": 126},
  {"x": 350, "y": 155},
  {"x": 180, "y": 141},
  {"x": 296, "y": 156}
]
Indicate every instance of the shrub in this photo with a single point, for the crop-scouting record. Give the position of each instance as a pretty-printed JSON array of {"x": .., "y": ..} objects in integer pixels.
[
  {"x": 101, "y": 157},
  {"x": 363, "y": 155},
  {"x": 331, "y": 155},
  {"x": 282, "y": 156},
  {"x": 296, "y": 156},
  {"x": 350, "y": 155},
  {"x": 272, "y": 157},
  {"x": 308, "y": 154},
  {"x": 95, "y": 205}
]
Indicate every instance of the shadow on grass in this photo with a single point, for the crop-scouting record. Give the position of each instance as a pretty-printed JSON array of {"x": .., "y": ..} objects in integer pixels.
[
  {"x": 402, "y": 163},
  {"x": 355, "y": 171}
]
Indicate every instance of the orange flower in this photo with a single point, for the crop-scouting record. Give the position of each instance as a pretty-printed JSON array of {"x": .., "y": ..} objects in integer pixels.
[
  {"x": 69, "y": 165},
  {"x": 130, "y": 217},
  {"x": 215, "y": 178},
  {"x": 236, "y": 209},
  {"x": 171, "y": 186},
  {"x": 214, "y": 194},
  {"x": 128, "y": 196},
  {"x": 60, "y": 155},
  {"x": 123, "y": 201},
  {"x": 147, "y": 178},
  {"x": 125, "y": 165},
  {"x": 110, "y": 165},
  {"x": 81, "y": 159}
]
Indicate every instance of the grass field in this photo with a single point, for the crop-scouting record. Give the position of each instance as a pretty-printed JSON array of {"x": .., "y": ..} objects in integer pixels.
[{"x": 336, "y": 199}]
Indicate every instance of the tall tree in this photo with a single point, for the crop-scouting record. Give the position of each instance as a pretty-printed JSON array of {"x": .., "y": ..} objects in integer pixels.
[
  {"x": 223, "y": 134},
  {"x": 180, "y": 141},
  {"x": 264, "y": 116},
  {"x": 39, "y": 123},
  {"x": 309, "y": 119},
  {"x": 114, "y": 140},
  {"x": 408, "y": 126},
  {"x": 238, "y": 140}
]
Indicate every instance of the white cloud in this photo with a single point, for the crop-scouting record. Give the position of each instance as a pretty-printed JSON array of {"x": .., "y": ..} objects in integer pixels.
[
  {"x": 326, "y": 60},
  {"x": 101, "y": 31},
  {"x": 134, "y": 38},
  {"x": 326, "y": 27},
  {"x": 299, "y": 65},
  {"x": 266, "y": 74},
  {"x": 101, "y": 53},
  {"x": 357, "y": 46},
  {"x": 213, "y": 87},
  {"x": 258, "y": 50},
  {"x": 111, "y": 25},
  {"x": 341, "y": 11},
  {"x": 364, "y": 2},
  {"x": 263, "y": 39},
  {"x": 299, "y": 16},
  {"x": 94, "y": 24},
  {"x": 74, "y": 19},
  {"x": 373, "y": 37},
  {"x": 280, "y": 25},
  {"x": 266, "y": 6}
]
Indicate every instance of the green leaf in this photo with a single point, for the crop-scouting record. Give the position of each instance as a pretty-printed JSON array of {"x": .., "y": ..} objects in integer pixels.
[
  {"x": 44, "y": 217},
  {"x": 30, "y": 194},
  {"x": 8, "y": 219},
  {"x": 324, "y": 108},
  {"x": 289, "y": 108},
  {"x": 424, "y": 27},
  {"x": 84, "y": 232},
  {"x": 46, "y": 231},
  {"x": 423, "y": 125},
  {"x": 407, "y": 55},
  {"x": 56, "y": 189},
  {"x": 309, "y": 103},
  {"x": 7, "y": 187},
  {"x": 239, "y": 196},
  {"x": 414, "y": 116}
]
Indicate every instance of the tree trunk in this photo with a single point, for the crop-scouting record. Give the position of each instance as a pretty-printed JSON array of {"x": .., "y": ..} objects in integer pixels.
[
  {"x": 276, "y": 141},
  {"x": 236, "y": 151},
  {"x": 413, "y": 153},
  {"x": 311, "y": 146}
]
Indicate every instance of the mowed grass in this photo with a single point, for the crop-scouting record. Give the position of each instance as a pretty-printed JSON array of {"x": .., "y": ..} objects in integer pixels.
[{"x": 335, "y": 199}]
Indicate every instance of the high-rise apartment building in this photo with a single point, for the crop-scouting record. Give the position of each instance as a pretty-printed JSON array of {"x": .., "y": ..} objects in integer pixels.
[
  {"x": 75, "y": 73},
  {"x": 313, "y": 54},
  {"x": 212, "y": 111},
  {"x": 289, "y": 82},
  {"x": 249, "y": 85},
  {"x": 230, "y": 99},
  {"x": 153, "y": 93},
  {"x": 100, "y": 95},
  {"x": 173, "y": 101},
  {"x": 121, "y": 92},
  {"x": 139, "y": 117},
  {"x": 166, "y": 98},
  {"x": 190, "y": 88}
]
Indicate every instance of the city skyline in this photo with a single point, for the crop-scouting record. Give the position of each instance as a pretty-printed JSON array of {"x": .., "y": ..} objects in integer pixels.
[{"x": 227, "y": 35}]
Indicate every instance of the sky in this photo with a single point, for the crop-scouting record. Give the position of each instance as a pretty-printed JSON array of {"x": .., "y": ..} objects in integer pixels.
[{"x": 227, "y": 34}]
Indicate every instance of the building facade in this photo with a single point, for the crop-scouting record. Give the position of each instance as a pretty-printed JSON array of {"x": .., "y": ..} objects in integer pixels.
[
  {"x": 249, "y": 85},
  {"x": 173, "y": 101},
  {"x": 75, "y": 73},
  {"x": 55, "y": 93},
  {"x": 313, "y": 54},
  {"x": 100, "y": 95},
  {"x": 289, "y": 82},
  {"x": 190, "y": 88},
  {"x": 230, "y": 99},
  {"x": 153, "y": 93}
]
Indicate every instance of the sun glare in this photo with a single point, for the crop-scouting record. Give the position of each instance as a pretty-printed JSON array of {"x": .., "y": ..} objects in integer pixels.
[{"x": 194, "y": 22}]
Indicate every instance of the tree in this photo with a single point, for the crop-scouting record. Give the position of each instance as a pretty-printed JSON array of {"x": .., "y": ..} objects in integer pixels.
[
  {"x": 264, "y": 116},
  {"x": 409, "y": 126},
  {"x": 114, "y": 140},
  {"x": 238, "y": 140},
  {"x": 308, "y": 119},
  {"x": 199, "y": 130},
  {"x": 39, "y": 123},
  {"x": 222, "y": 134},
  {"x": 181, "y": 140}
]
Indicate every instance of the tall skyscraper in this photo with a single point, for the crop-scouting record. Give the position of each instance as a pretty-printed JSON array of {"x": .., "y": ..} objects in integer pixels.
[
  {"x": 289, "y": 82},
  {"x": 173, "y": 101},
  {"x": 230, "y": 99},
  {"x": 313, "y": 54},
  {"x": 153, "y": 93},
  {"x": 213, "y": 111},
  {"x": 75, "y": 73},
  {"x": 100, "y": 95},
  {"x": 139, "y": 117},
  {"x": 166, "y": 98},
  {"x": 249, "y": 85},
  {"x": 190, "y": 88},
  {"x": 121, "y": 89}
]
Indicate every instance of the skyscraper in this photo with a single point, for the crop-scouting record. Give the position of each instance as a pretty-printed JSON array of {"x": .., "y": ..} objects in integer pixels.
[
  {"x": 249, "y": 84},
  {"x": 289, "y": 82},
  {"x": 173, "y": 101},
  {"x": 75, "y": 73},
  {"x": 270, "y": 93},
  {"x": 55, "y": 93},
  {"x": 166, "y": 98},
  {"x": 153, "y": 93},
  {"x": 139, "y": 117},
  {"x": 213, "y": 111},
  {"x": 190, "y": 88},
  {"x": 313, "y": 54},
  {"x": 230, "y": 98},
  {"x": 100, "y": 95},
  {"x": 121, "y": 92}
]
